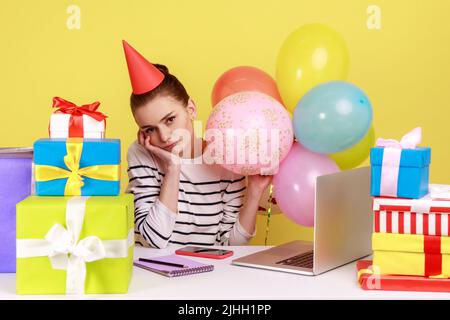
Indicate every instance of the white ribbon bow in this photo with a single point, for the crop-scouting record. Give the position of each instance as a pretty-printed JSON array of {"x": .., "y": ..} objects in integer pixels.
[
  {"x": 409, "y": 141},
  {"x": 440, "y": 192},
  {"x": 437, "y": 192},
  {"x": 66, "y": 252}
]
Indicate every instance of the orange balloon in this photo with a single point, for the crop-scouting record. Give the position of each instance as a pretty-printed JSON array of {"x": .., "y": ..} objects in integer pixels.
[{"x": 244, "y": 78}]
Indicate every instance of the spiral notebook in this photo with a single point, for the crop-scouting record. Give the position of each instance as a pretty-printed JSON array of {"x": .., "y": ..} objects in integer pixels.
[{"x": 169, "y": 271}]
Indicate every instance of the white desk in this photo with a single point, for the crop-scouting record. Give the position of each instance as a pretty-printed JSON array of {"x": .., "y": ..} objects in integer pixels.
[{"x": 234, "y": 282}]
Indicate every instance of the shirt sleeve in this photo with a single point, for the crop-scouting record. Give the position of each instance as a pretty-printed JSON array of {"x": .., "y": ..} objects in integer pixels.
[
  {"x": 231, "y": 231},
  {"x": 153, "y": 220}
]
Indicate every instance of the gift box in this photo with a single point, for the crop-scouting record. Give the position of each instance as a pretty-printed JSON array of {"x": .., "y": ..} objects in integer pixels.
[
  {"x": 368, "y": 279},
  {"x": 72, "y": 121},
  {"x": 400, "y": 169},
  {"x": 411, "y": 254},
  {"x": 15, "y": 185},
  {"x": 411, "y": 223},
  {"x": 74, "y": 245},
  {"x": 428, "y": 215},
  {"x": 74, "y": 166}
]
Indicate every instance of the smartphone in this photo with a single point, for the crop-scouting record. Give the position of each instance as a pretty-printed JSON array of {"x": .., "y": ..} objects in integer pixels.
[{"x": 204, "y": 252}]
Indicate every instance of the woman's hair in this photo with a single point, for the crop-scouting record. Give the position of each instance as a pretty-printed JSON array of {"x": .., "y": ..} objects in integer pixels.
[{"x": 170, "y": 86}]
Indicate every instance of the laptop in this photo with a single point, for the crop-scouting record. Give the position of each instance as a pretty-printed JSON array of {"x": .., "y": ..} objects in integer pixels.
[{"x": 342, "y": 231}]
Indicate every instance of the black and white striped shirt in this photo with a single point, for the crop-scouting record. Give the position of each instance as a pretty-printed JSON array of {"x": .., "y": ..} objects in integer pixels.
[{"x": 209, "y": 200}]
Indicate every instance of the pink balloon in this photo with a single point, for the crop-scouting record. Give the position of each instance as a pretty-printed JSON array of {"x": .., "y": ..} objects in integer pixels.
[
  {"x": 256, "y": 132},
  {"x": 295, "y": 183}
]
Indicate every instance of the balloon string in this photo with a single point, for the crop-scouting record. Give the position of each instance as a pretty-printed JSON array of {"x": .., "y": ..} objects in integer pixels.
[{"x": 269, "y": 210}]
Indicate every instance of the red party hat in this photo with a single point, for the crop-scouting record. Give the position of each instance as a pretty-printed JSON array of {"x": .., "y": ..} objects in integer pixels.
[{"x": 144, "y": 76}]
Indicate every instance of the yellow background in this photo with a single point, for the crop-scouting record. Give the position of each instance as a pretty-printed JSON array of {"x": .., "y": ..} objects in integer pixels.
[{"x": 404, "y": 67}]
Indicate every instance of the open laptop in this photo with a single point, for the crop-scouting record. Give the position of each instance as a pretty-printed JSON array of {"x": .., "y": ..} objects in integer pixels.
[{"x": 342, "y": 231}]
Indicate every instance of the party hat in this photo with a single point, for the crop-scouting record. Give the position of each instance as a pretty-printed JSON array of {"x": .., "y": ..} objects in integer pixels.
[{"x": 144, "y": 76}]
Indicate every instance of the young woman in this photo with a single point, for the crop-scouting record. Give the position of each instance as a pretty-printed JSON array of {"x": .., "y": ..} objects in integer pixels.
[{"x": 180, "y": 199}]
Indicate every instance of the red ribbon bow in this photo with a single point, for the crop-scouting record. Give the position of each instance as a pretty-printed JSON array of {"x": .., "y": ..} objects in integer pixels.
[
  {"x": 76, "y": 114},
  {"x": 71, "y": 108}
]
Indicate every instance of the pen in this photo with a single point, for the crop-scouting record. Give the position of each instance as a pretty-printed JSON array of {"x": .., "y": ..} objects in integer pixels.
[{"x": 164, "y": 263}]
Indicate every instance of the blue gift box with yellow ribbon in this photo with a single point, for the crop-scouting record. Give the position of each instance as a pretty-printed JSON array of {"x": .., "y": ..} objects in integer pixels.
[{"x": 75, "y": 166}]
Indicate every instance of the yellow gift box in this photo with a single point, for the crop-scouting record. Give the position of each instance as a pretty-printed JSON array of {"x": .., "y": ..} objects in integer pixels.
[
  {"x": 74, "y": 245},
  {"x": 410, "y": 254}
]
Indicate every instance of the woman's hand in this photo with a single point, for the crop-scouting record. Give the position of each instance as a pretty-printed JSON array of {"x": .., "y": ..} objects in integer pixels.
[
  {"x": 171, "y": 166},
  {"x": 257, "y": 184},
  {"x": 170, "y": 161}
]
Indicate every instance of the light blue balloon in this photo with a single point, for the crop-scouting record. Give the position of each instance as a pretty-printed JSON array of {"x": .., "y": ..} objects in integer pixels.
[{"x": 332, "y": 117}]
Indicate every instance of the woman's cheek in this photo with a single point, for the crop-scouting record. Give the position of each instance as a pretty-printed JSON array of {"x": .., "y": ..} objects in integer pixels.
[{"x": 154, "y": 140}]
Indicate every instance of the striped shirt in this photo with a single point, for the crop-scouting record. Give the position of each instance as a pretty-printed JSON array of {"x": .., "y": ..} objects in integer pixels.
[{"x": 209, "y": 201}]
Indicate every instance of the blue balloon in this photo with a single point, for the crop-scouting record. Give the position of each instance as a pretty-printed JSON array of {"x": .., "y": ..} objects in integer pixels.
[{"x": 332, "y": 117}]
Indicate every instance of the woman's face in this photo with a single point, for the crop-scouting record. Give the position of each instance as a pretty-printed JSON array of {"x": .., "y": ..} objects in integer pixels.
[{"x": 159, "y": 118}]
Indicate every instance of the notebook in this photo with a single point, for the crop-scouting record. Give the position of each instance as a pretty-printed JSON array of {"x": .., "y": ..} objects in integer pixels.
[{"x": 169, "y": 271}]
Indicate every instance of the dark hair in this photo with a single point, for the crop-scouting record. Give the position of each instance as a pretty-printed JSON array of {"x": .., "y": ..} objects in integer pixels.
[{"x": 170, "y": 86}]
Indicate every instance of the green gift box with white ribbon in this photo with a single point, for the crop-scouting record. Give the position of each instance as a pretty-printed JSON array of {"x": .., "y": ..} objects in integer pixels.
[{"x": 75, "y": 245}]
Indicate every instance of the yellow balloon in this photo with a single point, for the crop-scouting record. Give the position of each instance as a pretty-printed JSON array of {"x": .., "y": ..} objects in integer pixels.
[
  {"x": 354, "y": 156},
  {"x": 310, "y": 55}
]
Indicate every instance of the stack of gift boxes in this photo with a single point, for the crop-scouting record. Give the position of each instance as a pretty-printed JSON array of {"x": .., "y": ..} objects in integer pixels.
[
  {"x": 75, "y": 235},
  {"x": 411, "y": 217}
]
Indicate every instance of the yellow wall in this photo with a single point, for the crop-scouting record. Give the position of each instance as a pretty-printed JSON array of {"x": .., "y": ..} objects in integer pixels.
[{"x": 404, "y": 67}]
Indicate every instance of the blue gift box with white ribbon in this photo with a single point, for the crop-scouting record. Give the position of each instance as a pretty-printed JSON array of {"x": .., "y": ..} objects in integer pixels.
[{"x": 400, "y": 169}]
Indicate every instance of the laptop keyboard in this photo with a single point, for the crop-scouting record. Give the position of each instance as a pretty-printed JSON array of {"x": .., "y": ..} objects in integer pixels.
[{"x": 304, "y": 260}]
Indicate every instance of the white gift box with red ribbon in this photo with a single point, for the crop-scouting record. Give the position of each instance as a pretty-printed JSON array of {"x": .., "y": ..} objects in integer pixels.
[
  {"x": 72, "y": 121},
  {"x": 60, "y": 124}
]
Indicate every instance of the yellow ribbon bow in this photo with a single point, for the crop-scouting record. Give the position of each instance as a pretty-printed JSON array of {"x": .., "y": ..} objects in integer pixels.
[{"x": 75, "y": 175}]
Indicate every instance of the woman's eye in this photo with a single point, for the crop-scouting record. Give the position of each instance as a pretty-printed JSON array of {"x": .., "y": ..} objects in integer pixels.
[
  {"x": 170, "y": 120},
  {"x": 149, "y": 130}
]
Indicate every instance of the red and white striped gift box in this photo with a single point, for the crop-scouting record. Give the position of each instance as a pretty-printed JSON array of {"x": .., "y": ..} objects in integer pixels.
[
  {"x": 429, "y": 215},
  {"x": 430, "y": 224}
]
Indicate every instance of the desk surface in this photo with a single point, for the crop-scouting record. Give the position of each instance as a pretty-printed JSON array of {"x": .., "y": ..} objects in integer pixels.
[{"x": 234, "y": 282}]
